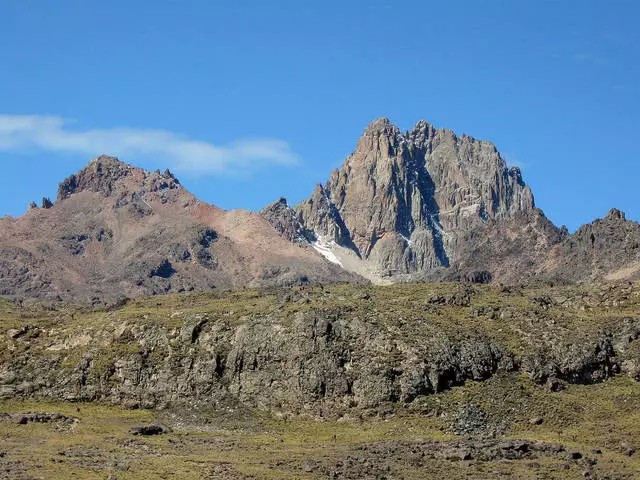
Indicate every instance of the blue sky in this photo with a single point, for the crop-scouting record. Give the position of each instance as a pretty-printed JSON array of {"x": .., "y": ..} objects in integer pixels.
[{"x": 250, "y": 100}]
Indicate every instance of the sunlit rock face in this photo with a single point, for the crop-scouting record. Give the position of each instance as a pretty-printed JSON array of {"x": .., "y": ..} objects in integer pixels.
[{"x": 420, "y": 201}]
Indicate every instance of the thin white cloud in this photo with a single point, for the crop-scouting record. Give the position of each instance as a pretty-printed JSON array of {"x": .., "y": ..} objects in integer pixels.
[{"x": 24, "y": 133}]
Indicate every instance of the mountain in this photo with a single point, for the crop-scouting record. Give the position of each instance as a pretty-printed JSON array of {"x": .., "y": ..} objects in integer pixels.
[
  {"x": 426, "y": 204},
  {"x": 607, "y": 248},
  {"x": 118, "y": 231}
]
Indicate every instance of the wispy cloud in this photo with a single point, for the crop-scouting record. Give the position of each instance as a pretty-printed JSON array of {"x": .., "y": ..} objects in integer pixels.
[{"x": 26, "y": 133}]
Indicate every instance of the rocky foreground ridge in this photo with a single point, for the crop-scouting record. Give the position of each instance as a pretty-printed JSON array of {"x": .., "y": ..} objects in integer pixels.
[
  {"x": 344, "y": 382},
  {"x": 322, "y": 349}
]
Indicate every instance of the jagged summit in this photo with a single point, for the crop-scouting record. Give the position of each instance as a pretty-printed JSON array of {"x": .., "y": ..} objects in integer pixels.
[
  {"x": 381, "y": 125},
  {"x": 419, "y": 134},
  {"x": 421, "y": 125},
  {"x": 615, "y": 214},
  {"x": 109, "y": 175},
  {"x": 405, "y": 202}
]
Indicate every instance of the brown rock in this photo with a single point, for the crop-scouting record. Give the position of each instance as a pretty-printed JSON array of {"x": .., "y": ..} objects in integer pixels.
[
  {"x": 118, "y": 231},
  {"x": 607, "y": 248}
]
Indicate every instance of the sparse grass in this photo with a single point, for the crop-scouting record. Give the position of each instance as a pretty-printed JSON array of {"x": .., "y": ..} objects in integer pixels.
[
  {"x": 602, "y": 416},
  {"x": 582, "y": 417}
]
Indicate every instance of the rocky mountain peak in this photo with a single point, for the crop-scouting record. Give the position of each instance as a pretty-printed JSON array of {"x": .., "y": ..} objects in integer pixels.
[
  {"x": 404, "y": 202},
  {"x": 285, "y": 220},
  {"x": 379, "y": 126},
  {"x": 278, "y": 208},
  {"x": 615, "y": 214},
  {"x": 379, "y": 135},
  {"x": 118, "y": 230},
  {"x": 421, "y": 133},
  {"x": 106, "y": 174},
  {"x": 98, "y": 176}
]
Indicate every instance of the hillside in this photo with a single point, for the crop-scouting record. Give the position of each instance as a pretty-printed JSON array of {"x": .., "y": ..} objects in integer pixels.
[
  {"x": 117, "y": 231},
  {"x": 402, "y": 381}
]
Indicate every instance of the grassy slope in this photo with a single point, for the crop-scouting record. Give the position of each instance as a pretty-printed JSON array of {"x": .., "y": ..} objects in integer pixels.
[
  {"x": 604, "y": 416},
  {"x": 224, "y": 444}
]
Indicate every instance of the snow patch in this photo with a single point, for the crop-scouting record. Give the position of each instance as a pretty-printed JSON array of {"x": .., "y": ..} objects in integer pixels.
[
  {"x": 409, "y": 242},
  {"x": 324, "y": 248},
  {"x": 436, "y": 225}
]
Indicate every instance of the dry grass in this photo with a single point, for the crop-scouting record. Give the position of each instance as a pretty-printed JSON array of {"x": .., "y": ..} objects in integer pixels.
[{"x": 602, "y": 416}]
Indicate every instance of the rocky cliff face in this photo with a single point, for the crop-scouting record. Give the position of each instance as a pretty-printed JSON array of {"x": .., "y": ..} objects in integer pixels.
[
  {"x": 411, "y": 202},
  {"x": 285, "y": 220},
  {"x": 311, "y": 349},
  {"x": 607, "y": 248},
  {"x": 118, "y": 231}
]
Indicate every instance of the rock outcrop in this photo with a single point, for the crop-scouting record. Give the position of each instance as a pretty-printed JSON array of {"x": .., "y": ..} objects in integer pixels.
[
  {"x": 285, "y": 220},
  {"x": 416, "y": 202},
  {"x": 307, "y": 349},
  {"x": 111, "y": 177}
]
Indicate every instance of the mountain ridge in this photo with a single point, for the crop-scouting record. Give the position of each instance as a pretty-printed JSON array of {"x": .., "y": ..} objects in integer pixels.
[
  {"x": 428, "y": 204},
  {"x": 421, "y": 205},
  {"x": 119, "y": 231}
]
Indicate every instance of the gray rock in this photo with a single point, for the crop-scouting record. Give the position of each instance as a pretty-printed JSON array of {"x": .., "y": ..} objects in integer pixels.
[
  {"x": 285, "y": 220},
  {"x": 606, "y": 248},
  {"x": 410, "y": 203}
]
